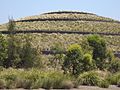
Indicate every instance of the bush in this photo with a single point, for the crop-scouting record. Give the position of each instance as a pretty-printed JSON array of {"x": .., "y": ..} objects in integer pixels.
[
  {"x": 34, "y": 79},
  {"x": 114, "y": 66},
  {"x": 37, "y": 84},
  {"x": 59, "y": 80},
  {"x": 89, "y": 78},
  {"x": 114, "y": 78},
  {"x": 99, "y": 50},
  {"x": 104, "y": 84},
  {"x": 74, "y": 56},
  {"x": 88, "y": 63},
  {"x": 13, "y": 46},
  {"x": 29, "y": 55},
  {"x": 3, "y": 49}
]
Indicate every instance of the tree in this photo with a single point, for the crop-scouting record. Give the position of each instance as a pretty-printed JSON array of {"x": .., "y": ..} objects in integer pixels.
[
  {"x": 72, "y": 59},
  {"x": 29, "y": 55},
  {"x": 3, "y": 49},
  {"x": 58, "y": 56},
  {"x": 99, "y": 49},
  {"x": 13, "y": 56}
]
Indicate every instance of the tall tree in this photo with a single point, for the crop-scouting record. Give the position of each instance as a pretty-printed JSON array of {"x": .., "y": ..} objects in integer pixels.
[
  {"x": 3, "y": 49},
  {"x": 99, "y": 49},
  {"x": 73, "y": 58},
  {"x": 13, "y": 56},
  {"x": 29, "y": 55}
]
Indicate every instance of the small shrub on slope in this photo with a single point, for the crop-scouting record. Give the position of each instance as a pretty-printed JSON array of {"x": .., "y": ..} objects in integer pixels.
[
  {"x": 114, "y": 66},
  {"x": 89, "y": 78}
]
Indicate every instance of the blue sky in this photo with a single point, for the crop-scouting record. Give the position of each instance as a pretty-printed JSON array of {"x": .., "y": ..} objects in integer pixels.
[{"x": 22, "y": 8}]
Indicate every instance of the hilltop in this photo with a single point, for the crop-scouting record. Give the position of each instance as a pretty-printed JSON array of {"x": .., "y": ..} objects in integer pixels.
[{"x": 68, "y": 21}]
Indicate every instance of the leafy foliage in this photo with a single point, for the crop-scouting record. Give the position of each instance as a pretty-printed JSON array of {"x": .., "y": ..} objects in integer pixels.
[
  {"x": 33, "y": 79},
  {"x": 3, "y": 49},
  {"x": 13, "y": 56},
  {"x": 99, "y": 50},
  {"x": 88, "y": 63},
  {"x": 28, "y": 55},
  {"x": 73, "y": 58},
  {"x": 114, "y": 66},
  {"x": 89, "y": 78}
]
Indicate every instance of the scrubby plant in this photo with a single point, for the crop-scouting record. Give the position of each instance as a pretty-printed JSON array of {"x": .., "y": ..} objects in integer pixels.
[
  {"x": 104, "y": 84},
  {"x": 29, "y": 55},
  {"x": 114, "y": 65},
  {"x": 90, "y": 78},
  {"x": 99, "y": 50},
  {"x": 13, "y": 45},
  {"x": 34, "y": 79},
  {"x": 88, "y": 63},
  {"x": 3, "y": 49},
  {"x": 114, "y": 78},
  {"x": 93, "y": 78},
  {"x": 58, "y": 56},
  {"x": 74, "y": 56}
]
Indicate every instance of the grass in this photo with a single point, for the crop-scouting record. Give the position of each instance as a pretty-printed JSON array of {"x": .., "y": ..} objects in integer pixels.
[
  {"x": 45, "y": 41},
  {"x": 33, "y": 78},
  {"x": 67, "y": 14}
]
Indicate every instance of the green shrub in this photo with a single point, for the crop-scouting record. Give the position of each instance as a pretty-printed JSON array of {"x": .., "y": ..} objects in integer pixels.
[
  {"x": 57, "y": 80},
  {"x": 114, "y": 66},
  {"x": 3, "y": 49},
  {"x": 19, "y": 82},
  {"x": 13, "y": 46},
  {"x": 104, "y": 84},
  {"x": 89, "y": 78},
  {"x": 74, "y": 56},
  {"x": 99, "y": 50},
  {"x": 27, "y": 84},
  {"x": 37, "y": 84},
  {"x": 34, "y": 79},
  {"x": 87, "y": 63},
  {"x": 114, "y": 78}
]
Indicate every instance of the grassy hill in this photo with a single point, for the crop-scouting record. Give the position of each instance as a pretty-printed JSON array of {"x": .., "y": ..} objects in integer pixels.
[{"x": 68, "y": 21}]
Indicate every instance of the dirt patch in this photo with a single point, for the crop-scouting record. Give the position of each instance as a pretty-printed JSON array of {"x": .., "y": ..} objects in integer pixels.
[{"x": 111, "y": 87}]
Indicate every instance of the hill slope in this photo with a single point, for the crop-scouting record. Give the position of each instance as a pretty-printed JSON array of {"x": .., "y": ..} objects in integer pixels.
[{"x": 68, "y": 21}]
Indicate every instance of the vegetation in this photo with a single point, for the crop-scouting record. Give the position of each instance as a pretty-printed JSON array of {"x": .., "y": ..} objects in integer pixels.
[
  {"x": 99, "y": 50},
  {"x": 33, "y": 78},
  {"x": 84, "y": 26},
  {"x": 3, "y": 49},
  {"x": 67, "y": 15},
  {"x": 75, "y": 60},
  {"x": 114, "y": 66},
  {"x": 13, "y": 57}
]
